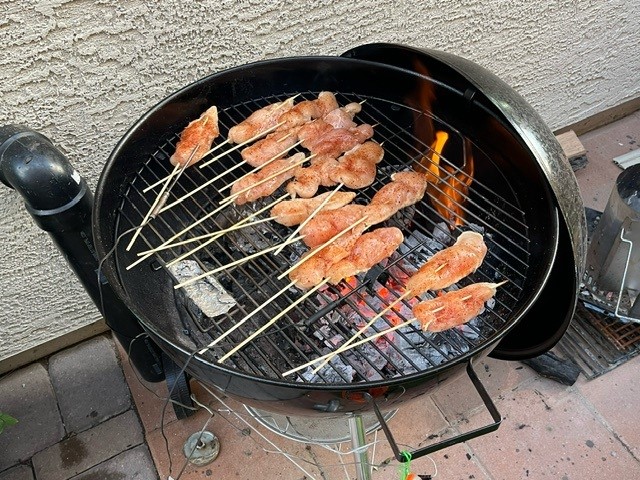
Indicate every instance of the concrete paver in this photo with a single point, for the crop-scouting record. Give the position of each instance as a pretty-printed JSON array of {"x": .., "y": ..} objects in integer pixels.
[
  {"x": 28, "y": 396},
  {"x": 89, "y": 384},
  {"x": 78, "y": 453},
  {"x": 20, "y": 472},
  {"x": 551, "y": 433},
  {"x": 134, "y": 464}
]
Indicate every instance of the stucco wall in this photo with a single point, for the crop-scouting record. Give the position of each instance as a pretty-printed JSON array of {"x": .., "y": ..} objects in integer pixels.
[{"x": 83, "y": 71}]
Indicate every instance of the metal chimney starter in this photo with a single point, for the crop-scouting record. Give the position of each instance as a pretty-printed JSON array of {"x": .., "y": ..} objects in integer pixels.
[{"x": 613, "y": 259}]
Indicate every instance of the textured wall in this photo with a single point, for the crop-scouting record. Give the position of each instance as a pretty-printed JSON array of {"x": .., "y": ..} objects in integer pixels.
[{"x": 83, "y": 71}]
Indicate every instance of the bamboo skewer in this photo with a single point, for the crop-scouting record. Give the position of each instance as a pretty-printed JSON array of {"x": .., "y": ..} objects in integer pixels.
[
  {"x": 196, "y": 223},
  {"x": 152, "y": 209},
  {"x": 215, "y": 235},
  {"x": 235, "y": 226},
  {"x": 314, "y": 213},
  {"x": 272, "y": 321},
  {"x": 364, "y": 328},
  {"x": 246, "y": 318},
  {"x": 232, "y": 264},
  {"x": 260, "y": 167}
]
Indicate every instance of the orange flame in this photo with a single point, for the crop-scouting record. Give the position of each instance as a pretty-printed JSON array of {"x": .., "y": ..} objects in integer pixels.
[{"x": 448, "y": 186}]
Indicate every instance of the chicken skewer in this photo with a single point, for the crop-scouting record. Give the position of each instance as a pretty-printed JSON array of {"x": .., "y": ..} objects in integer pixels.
[
  {"x": 448, "y": 313},
  {"x": 209, "y": 182},
  {"x": 320, "y": 207},
  {"x": 198, "y": 222},
  {"x": 461, "y": 259},
  {"x": 195, "y": 139},
  {"x": 356, "y": 169},
  {"x": 259, "y": 121},
  {"x": 217, "y": 147},
  {"x": 406, "y": 188},
  {"x": 355, "y": 254},
  {"x": 294, "y": 212},
  {"x": 270, "y": 178}
]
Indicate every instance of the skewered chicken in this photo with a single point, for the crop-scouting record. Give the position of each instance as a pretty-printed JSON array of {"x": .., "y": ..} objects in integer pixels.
[
  {"x": 328, "y": 223},
  {"x": 321, "y": 138},
  {"x": 357, "y": 168},
  {"x": 405, "y": 188},
  {"x": 308, "y": 110},
  {"x": 308, "y": 180},
  {"x": 198, "y": 135},
  {"x": 450, "y": 265},
  {"x": 263, "y": 184},
  {"x": 347, "y": 256},
  {"x": 293, "y": 212},
  {"x": 259, "y": 121},
  {"x": 453, "y": 308},
  {"x": 274, "y": 145},
  {"x": 371, "y": 248}
]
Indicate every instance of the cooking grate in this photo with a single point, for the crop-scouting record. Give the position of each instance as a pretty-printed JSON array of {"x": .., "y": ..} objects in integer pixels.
[{"x": 334, "y": 314}]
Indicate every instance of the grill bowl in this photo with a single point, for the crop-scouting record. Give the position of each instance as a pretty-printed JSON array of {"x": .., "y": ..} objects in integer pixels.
[{"x": 509, "y": 185}]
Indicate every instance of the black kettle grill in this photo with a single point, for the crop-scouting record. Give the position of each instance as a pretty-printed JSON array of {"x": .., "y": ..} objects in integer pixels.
[{"x": 518, "y": 162}]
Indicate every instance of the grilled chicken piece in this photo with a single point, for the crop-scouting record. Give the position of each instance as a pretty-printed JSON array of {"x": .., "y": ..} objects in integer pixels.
[
  {"x": 308, "y": 180},
  {"x": 264, "y": 187},
  {"x": 453, "y": 308},
  {"x": 308, "y": 110},
  {"x": 259, "y": 121},
  {"x": 321, "y": 138},
  {"x": 357, "y": 168},
  {"x": 313, "y": 270},
  {"x": 198, "y": 135},
  {"x": 349, "y": 255},
  {"x": 293, "y": 212},
  {"x": 450, "y": 265},
  {"x": 343, "y": 117},
  {"x": 371, "y": 248},
  {"x": 274, "y": 145},
  {"x": 405, "y": 188},
  {"x": 329, "y": 223}
]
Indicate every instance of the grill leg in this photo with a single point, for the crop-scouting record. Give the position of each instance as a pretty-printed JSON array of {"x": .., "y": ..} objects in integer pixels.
[{"x": 358, "y": 444}]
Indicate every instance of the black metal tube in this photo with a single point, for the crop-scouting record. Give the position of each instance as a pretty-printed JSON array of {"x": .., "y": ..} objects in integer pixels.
[{"x": 61, "y": 203}]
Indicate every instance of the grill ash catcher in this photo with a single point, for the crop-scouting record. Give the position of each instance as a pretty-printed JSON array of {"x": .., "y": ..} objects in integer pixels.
[{"x": 523, "y": 196}]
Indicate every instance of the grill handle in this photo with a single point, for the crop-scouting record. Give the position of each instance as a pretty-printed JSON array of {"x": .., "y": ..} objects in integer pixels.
[
  {"x": 61, "y": 203},
  {"x": 403, "y": 457}
]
